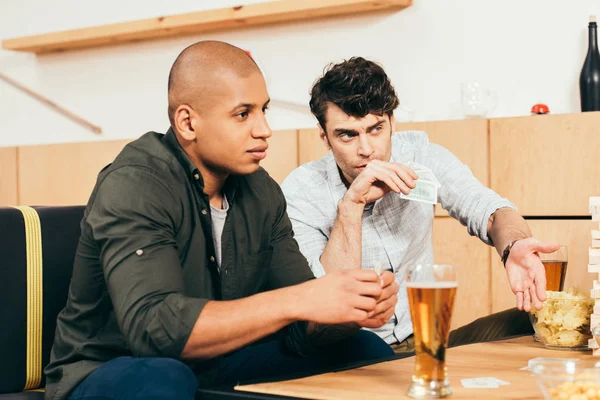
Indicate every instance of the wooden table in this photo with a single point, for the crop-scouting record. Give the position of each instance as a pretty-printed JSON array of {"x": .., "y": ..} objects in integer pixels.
[{"x": 390, "y": 380}]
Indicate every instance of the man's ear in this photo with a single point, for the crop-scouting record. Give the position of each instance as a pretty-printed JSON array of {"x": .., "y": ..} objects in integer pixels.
[
  {"x": 323, "y": 136},
  {"x": 185, "y": 122},
  {"x": 393, "y": 123}
]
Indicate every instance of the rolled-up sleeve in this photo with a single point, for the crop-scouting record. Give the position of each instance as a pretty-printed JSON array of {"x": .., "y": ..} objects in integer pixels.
[
  {"x": 461, "y": 194},
  {"x": 133, "y": 219}
]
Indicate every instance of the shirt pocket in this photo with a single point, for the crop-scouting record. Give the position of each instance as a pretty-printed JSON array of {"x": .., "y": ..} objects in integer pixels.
[{"x": 256, "y": 272}]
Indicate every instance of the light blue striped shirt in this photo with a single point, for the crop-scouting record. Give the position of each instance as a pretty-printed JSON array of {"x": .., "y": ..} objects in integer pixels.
[{"x": 395, "y": 232}]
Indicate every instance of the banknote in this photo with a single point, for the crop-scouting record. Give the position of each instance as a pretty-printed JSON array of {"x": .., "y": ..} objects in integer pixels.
[
  {"x": 424, "y": 191},
  {"x": 424, "y": 173},
  {"x": 426, "y": 185}
]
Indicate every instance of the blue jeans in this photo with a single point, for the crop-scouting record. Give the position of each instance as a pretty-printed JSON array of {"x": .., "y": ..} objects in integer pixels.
[{"x": 165, "y": 378}]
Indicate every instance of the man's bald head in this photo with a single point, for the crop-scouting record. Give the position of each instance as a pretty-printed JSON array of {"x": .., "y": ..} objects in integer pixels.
[{"x": 198, "y": 70}]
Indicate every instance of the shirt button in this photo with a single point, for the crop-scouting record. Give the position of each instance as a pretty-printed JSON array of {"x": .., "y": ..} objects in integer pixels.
[
  {"x": 204, "y": 212},
  {"x": 196, "y": 176},
  {"x": 212, "y": 259},
  {"x": 139, "y": 252}
]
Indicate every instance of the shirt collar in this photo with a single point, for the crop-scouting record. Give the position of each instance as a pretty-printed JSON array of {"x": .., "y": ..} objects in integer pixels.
[{"x": 193, "y": 173}]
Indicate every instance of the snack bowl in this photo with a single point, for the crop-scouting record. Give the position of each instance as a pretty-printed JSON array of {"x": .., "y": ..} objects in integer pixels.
[
  {"x": 563, "y": 323},
  {"x": 567, "y": 379}
]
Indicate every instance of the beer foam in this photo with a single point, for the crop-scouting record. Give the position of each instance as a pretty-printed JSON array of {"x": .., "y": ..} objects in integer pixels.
[{"x": 432, "y": 285}]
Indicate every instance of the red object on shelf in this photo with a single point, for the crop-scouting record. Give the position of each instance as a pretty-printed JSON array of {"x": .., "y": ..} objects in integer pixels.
[{"x": 540, "y": 109}]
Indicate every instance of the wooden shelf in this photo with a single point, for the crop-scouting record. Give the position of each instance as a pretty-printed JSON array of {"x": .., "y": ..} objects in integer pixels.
[{"x": 202, "y": 21}]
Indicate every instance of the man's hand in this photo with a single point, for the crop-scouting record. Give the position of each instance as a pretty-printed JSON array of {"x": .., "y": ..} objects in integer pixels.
[
  {"x": 386, "y": 303},
  {"x": 526, "y": 273},
  {"x": 347, "y": 295},
  {"x": 377, "y": 179}
]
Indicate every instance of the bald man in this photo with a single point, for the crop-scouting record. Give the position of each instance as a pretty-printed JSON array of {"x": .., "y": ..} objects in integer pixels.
[{"x": 187, "y": 273}]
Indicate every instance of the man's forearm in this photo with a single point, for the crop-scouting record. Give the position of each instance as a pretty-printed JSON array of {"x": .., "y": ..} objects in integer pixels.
[
  {"x": 506, "y": 225},
  {"x": 224, "y": 326},
  {"x": 344, "y": 247}
]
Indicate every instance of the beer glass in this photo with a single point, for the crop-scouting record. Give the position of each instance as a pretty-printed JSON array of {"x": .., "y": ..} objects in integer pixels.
[
  {"x": 555, "y": 265},
  {"x": 431, "y": 291}
]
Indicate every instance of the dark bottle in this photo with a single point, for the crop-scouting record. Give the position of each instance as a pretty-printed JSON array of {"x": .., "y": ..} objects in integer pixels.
[{"x": 589, "y": 81}]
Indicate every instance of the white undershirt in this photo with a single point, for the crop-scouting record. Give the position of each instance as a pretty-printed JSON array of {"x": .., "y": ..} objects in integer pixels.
[{"x": 218, "y": 217}]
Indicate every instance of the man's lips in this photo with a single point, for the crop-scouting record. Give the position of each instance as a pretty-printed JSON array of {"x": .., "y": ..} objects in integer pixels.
[{"x": 259, "y": 152}]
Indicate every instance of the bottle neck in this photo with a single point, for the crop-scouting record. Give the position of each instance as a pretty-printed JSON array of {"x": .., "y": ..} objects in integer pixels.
[{"x": 593, "y": 37}]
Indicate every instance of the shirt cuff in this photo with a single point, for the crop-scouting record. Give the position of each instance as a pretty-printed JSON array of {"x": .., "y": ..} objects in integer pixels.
[
  {"x": 171, "y": 326},
  {"x": 482, "y": 232}
]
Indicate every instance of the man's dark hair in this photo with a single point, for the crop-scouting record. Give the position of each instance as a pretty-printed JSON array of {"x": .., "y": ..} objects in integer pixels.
[{"x": 357, "y": 86}]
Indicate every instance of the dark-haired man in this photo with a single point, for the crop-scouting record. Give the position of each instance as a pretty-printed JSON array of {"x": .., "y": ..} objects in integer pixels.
[
  {"x": 347, "y": 211},
  {"x": 187, "y": 272}
]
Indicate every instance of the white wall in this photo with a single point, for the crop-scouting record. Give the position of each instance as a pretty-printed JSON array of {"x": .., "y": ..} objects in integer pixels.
[{"x": 528, "y": 51}]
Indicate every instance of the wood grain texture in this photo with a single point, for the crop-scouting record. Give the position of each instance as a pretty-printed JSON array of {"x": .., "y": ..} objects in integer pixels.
[
  {"x": 575, "y": 234},
  {"x": 453, "y": 245},
  {"x": 8, "y": 176},
  {"x": 203, "y": 21},
  {"x": 466, "y": 139},
  {"x": 63, "y": 174},
  {"x": 282, "y": 155},
  {"x": 547, "y": 164},
  {"x": 310, "y": 146},
  {"x": 390, "y": 380}
]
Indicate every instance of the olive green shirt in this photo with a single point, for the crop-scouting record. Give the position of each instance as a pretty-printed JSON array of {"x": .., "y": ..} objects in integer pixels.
[{"x": 145, "y": 264}]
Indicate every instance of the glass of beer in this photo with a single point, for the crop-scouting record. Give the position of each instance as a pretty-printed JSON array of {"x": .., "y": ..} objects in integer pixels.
[
  {"x": 431, "y": 291},
  {"x": 555, "y": 265}
]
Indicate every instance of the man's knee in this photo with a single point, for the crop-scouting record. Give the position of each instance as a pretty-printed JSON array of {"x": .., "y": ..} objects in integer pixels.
[{"x": 167, "y": 376}]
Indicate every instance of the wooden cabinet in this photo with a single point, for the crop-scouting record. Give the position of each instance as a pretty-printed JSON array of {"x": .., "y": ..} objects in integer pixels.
[
  {"x": 282, "y": 155},
  {"x": 466, "y": 139},
  {"x": 547, "y": 165},
  {"x": 310, "y": 146},
  {"x": 575, "y": 234},
  {"x": 453, "y": 245},
  {"x": 63, "y": 174},
  {"x": 8, "y": 176}
]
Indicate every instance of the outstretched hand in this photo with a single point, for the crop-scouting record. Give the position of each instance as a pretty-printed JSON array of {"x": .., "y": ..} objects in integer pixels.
[{"x": 526, "y": 274}]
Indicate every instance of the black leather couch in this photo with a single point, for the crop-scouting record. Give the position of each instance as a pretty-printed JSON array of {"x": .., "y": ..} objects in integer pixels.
[{"x": 37, "y": 247}]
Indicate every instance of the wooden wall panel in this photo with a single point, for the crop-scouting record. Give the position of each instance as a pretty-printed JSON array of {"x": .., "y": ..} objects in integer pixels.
[
  {"x": 8, "y": 176},
  {"x": 453, "y": 245},
  {"x": 548, "y": 164},
  {"x": 466, "y": 139},
  {"x": 282, "y": 155},
  {"x": 63, "y": 174},
  {"x": 575, "y": 234},
  {"x": 310, "y": 146}
]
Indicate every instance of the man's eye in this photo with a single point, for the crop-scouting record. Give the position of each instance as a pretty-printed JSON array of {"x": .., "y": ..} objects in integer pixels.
[
  {"x": 243, "y": 115},
  {"x": 265, "y": 109}
]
